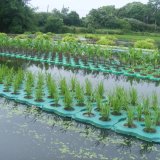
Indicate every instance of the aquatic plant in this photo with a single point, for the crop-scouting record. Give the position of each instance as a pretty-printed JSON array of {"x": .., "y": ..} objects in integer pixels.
[
  {"x": 63, "y": 85},
  {"x": 139, "y": 111},
  {"x": 157, "y": 116},
  {"x": 98, "y": 101},
  {"x": 51, "y": 86},
  {"x": 121, "y": 96},
  {"x": 29, "y": 84},
  {"x": 56, "y": 96},
  {"x": 146, "y": 105},
  {"x": 88, "y": 87},
  {"x": 149, "y": 124},
  {"x": 115, "y": 104},
  {"x": 8, "y": 79},
  {"x": 154, "y": 101},
  {"x": 79, "y": 93},
  {"x": 89, "y": 108},
  {"x": 18, "y": 79},
  {"x": 3, "y": 71},
  {"x": 100, "y": 89},
  {"x": 39, "y": 88},
  {"x": 68, "y": 100},
  {"x": 73, "y": 83},
  {"x": 130, "y": 118},
  {"x": 105, "y": 112},
  {"x": 16, "y": 85},
  {"x": 133, "y": 96}
]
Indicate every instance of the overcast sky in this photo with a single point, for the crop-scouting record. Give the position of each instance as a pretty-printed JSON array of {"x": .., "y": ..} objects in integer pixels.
[{"x": 80, "y": 6}]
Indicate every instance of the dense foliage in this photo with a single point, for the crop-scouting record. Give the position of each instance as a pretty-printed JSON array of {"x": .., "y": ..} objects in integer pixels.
[{"x": 16, "y": 16}]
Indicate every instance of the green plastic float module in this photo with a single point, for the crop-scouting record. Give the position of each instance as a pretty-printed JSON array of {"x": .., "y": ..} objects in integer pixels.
[
  {"x": 154, "y": 79},
  {"x": 94, "y": 119},
  {"x": 141, "y": 76},
  {"x": 138, "y": 131},
  {"x": 79, "y": 113},
  {"x": 72, "y": 63}
]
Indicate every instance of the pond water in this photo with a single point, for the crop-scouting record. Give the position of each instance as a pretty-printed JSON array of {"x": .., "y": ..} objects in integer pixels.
[{"x": 28, "y": 133}]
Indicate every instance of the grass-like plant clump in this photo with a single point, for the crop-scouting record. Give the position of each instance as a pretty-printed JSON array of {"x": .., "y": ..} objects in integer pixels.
[
  {"x": 88, "y": 87},
  {"x": 29, "y": 84},
  {"x": 68, "y": 100},
  {"x": 139, "y": 112},
  {"x": 79, "y": 93},
  {"x": 154, "y": 101},
  {"x": 89, "y": 109},
  {"x": 100, "y": 89},
  {"x": 73, "y": 83},
  {"x": 105, "y": 112},
  {"x": 18, "y": 80},
  {"x": 149, "y": 124},
  {"x": 8, "y": 80},
  {"x": 130, "y": 118},
  {"x": 39, "y": 88},
  {"x": 133, "y": 96},
  {"x": 63, "y": 85}
]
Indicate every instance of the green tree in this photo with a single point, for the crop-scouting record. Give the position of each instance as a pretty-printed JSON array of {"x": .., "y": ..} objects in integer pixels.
[
  {"x": 135, "y": 10},
  {"x": 72, "y": 19},
  {"x": 16, "y": 16},
  {"x": 154, "y": 5},
  {"x": 54, "y": 24}
]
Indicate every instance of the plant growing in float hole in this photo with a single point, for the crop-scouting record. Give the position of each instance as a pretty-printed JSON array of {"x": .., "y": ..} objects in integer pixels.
[
  {"x": 17, "y": 81},
  {"x": 88, "y": 87},
  {"x": 149, "y": 124},
  {"x": 15, "y": 85},
  {"x": 121, "y": 96},
  {"x": 157, "y": 116},
  {"x": 68, "y": 101},
  {"x": 130, "y": 118},
  {"x": 8, "y": 80},
  {"x": 39, "y": 88},
  {"x": 73, "y": 83},
  {"x": 79, "y": 94},
  {"x": 56, "y": 96},
  {"x": 29, "y": 84},
  {"x": 51, "y": 85},
  {"x": 105, "y": 112},
  {"x": 100, "y": 89},
  {"x": 146, "y": 105},
  {"x": 115, "y": 104},
  {"x": 139, "y": 110},
  {"x": 124, "y": 100},
  {"x": 154, "y": 101},
  {"x": 3, "y": 71},
  {"x": 63, "y": 85},
  {"x": 89, "y": 109},
  {"x": 133, "y": 96}
]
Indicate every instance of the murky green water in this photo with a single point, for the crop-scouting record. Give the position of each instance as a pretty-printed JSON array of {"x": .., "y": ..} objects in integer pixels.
[{"x": 27, "y": 133}]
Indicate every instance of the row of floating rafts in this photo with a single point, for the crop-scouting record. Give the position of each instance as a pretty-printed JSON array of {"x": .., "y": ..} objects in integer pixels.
[
  {"x": 89, "y": 65},
  {"x": 119, "y": 111}
]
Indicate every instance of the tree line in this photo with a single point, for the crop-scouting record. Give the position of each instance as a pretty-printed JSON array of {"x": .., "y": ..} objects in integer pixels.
[{"x": 16, "y": 16}]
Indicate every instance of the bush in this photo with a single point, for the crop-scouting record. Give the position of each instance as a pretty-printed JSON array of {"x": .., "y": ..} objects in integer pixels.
[
  {"x": 105, "y": 41},
  {"x": 145, "y": 44},
  {"x": 69, "y": 38}
]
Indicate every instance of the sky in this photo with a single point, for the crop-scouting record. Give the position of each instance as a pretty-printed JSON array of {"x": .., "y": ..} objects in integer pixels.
[{"x": 82, "y": 7}]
